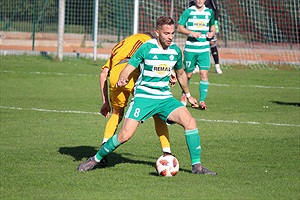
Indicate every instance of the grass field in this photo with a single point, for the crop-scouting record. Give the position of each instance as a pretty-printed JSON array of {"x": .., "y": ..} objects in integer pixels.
[{"x": 50, "y": 123}]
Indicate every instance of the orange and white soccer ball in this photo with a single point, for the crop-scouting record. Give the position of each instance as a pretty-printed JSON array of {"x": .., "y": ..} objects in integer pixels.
[{"x": 167, "y": 165}]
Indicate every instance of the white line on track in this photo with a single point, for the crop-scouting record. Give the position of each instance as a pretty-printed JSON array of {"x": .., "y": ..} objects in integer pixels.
[{"x": 95, "y": 113}]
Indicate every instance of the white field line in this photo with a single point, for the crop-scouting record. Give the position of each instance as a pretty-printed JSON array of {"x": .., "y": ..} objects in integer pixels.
[
  {"x": 196, "y": 83},
  {"x": 45, "y": 73},
  {"x": 96, "y": 113}
]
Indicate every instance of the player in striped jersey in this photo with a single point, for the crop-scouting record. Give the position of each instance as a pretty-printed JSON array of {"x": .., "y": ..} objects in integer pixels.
[
  {"x": 118, "y": 96},
  {"x": 156, "y": 59},
  {"x": 212, "y": 4},
  {"x": 197, "y": 22}
]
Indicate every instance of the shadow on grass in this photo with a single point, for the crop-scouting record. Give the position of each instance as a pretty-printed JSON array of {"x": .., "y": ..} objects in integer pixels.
[
  {"x": 286, "y": 103},
  {"x": 83, "y": 152}
]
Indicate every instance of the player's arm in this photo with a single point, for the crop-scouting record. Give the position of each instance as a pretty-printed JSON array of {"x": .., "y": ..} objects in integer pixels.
[
  {"x": 105, "y": 109},
  {"x": 133, "y": 63},
  {"x": 181, "y": 29},
  {"x": 123, "y": 78},
  {"x": 212, "y": 32},
  {"x": 183, "y": 82},
  {"x": 173, "y": 78},
  {"x": 212, "y": 27}
]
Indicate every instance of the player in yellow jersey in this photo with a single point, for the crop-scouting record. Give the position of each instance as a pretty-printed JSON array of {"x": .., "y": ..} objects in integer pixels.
[{"x": 117, "y": 98}]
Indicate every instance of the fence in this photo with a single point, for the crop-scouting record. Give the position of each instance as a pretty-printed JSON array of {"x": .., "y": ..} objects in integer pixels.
[{"x": 251, "y": 31}]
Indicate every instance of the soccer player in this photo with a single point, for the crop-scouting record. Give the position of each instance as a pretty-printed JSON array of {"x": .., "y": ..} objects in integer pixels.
[
  {"x": 117, "y": 98},
  {"x": 212, "y": 4},
  {"x": 197, "y": 22},
  {"x": 156, "y": 58}
]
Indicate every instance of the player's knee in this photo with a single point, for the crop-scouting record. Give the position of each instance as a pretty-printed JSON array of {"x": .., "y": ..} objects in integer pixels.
[
  {"x": 203, "y": 75},
  {"x": 189, "y": 75},
  {"x": 123, "y": 137},
  {"x": 191, "y": 123}
]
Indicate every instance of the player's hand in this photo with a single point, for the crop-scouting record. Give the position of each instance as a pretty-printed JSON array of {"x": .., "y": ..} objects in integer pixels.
[
  {"x": 193, "y": 102},
  {"x": 105, "y": 110},
  {"x": 210, "y": 35},
  {"x": 173, "y": 79},
  {"x": 195, "y": 34},
  {"x": 122, "y": 82}
]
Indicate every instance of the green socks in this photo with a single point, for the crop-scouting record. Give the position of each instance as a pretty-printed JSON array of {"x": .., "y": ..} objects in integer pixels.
[
  {"x": 193, "y": 142},
  {"x": 108, "y": 147},
  {"x": 203, "y": 88}
]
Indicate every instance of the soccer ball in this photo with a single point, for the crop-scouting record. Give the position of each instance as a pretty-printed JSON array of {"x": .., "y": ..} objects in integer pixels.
[{"x": 167, "y": 165}]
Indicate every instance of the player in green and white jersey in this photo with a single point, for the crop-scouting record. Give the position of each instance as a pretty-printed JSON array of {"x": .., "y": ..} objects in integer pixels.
[
  {"x": 156, "y": 59},
  {"x": 197, "y": 22}
]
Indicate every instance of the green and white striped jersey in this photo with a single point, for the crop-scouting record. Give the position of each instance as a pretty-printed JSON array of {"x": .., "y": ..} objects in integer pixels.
[
  {"x": 196, "y": 21},
  {"x": 155, "y": 64}
]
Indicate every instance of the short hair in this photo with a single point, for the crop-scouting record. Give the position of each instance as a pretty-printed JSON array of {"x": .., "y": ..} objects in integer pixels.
[
  {"x": 164, "y": 20},
  {"x": 192, "y": 3},
  {"x": 151, "y": 34}
]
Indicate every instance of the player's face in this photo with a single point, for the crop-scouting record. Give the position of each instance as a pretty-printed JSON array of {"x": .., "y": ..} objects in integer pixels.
[
  {"x": 200, "y": 3},
  {"x": 165, "y": 35}
]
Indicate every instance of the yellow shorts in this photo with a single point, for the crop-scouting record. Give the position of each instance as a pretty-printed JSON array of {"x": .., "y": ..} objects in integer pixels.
[{"x": 119, "y": 96}]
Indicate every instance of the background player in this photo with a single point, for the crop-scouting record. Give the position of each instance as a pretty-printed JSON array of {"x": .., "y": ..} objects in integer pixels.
[
  {"x": 197, "y": 22},
  {"x": 212, "y": 4},
  {"x": 118, "y": 96}
]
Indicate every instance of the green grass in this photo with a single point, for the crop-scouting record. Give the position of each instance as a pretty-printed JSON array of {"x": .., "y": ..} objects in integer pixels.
[{"x": 249, "y": 135}]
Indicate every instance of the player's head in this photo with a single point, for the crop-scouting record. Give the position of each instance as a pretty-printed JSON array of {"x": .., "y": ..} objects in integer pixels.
[
  {"x": 197, "y": 3},
  {"x": 165, "y": 31}
]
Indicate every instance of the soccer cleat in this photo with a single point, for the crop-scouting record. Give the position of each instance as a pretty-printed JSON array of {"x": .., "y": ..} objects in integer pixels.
[
  {"x": 199, "y": 169},
  {"x": 183, "y": 99},
  {"x": 202, "y": 105},
  {"x": 218, "y": 69},
  {"x": 87, "y": 165}
]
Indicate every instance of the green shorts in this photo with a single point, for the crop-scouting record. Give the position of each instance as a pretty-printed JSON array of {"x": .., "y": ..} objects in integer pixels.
[
  {"x": 141, "y": 109},
  {"x": 191, "y": 59}
]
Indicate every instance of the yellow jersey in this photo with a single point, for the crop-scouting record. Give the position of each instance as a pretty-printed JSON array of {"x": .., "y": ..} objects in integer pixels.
[{"x": 123, "y": 50}]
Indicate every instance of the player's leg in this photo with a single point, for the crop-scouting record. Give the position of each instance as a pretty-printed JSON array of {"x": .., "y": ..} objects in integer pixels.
[
  {"x": 215, "y": 54},
  {"x": 118, "y": 99},
  {"x": 189, "y": 67},
  {"x": 139, "y": 110},
  {"x": 204, "y": 63},
  {"x": 182, "y": 116},
  {"x": 128, "y": 128},
  {"x": 162, "y": 132},
  {"x": 113, "y": 122}
]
